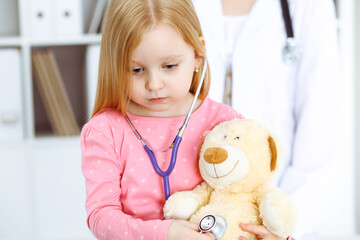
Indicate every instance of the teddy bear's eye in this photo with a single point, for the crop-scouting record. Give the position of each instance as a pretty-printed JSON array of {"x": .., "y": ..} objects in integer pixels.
[
  {"x": 236, "y": 138},
  {"x": 225, "y": 137}
]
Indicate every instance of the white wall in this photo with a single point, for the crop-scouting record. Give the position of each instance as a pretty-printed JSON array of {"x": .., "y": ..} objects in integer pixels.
[{"x": 357, "y": 112}]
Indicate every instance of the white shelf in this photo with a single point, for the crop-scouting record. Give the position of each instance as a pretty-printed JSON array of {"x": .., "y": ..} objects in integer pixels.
[
  {"x": 10, "y": 42},
  {"x": 77, "y": 40}
]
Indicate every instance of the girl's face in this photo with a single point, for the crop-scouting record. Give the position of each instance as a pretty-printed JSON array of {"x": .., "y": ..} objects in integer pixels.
[{"x": 163, "y": 65}]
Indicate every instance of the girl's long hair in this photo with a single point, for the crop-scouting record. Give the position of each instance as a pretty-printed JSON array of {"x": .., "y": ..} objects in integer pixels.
[{"x": 127, "y": 21}]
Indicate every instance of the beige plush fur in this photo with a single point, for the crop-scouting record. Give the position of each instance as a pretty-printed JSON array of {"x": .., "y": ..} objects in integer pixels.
[{"x": 237, "y": 160}]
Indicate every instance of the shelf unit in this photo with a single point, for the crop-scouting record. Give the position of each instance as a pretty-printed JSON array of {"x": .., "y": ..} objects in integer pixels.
[
  {"x": 43, "y": 195},
  {"x": 70, "y": 53}
]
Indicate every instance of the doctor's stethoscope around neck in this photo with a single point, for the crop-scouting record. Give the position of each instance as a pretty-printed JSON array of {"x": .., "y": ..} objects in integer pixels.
[{"x": 291, "y": 51}]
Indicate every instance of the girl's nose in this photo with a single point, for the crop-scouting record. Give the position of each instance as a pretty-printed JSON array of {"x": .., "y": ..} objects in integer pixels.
[{"x": 154, "y": 81}]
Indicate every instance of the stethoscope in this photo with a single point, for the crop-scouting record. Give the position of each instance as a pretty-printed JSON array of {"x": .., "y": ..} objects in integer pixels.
[
  {"x": 210, "y": 223},
  {"x": 174, "y": 145},
  {"x": 214, "y": 224},
  {"x": 291, "y": 51}
]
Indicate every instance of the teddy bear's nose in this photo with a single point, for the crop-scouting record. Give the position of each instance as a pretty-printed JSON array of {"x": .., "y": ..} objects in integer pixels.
[{"x": 215, "y": 155}]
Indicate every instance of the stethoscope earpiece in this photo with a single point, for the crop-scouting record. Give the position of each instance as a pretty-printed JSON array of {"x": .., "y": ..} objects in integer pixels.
[{"x": 214, "y": 224}]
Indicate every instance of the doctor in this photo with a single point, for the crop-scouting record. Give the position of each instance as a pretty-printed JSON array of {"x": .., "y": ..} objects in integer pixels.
[{"x": 299, "y": 101}]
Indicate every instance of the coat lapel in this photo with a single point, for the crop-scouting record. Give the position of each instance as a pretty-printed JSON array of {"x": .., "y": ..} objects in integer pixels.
[{"x": 262, "y": 13}]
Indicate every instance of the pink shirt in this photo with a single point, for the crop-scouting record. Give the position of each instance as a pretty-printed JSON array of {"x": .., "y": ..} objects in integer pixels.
[{"x": 125, "y": 196}]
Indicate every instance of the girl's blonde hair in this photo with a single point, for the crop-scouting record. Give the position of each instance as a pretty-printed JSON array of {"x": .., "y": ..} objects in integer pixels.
[{"x": 127, "y": 21}]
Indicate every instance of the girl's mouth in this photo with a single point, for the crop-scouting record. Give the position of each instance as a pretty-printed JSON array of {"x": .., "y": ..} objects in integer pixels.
[{"x": 157, "y": 100}]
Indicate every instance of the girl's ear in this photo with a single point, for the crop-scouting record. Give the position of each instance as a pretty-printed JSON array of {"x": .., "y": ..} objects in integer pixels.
[
  {"x": 202, "y": 40},
  {"x": 198, "y": 58}
]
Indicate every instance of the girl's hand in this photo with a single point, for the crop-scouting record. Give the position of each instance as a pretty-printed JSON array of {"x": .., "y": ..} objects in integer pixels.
[
  {"x": 259, "y": 231},
  {"x": 181, "y": 229}
]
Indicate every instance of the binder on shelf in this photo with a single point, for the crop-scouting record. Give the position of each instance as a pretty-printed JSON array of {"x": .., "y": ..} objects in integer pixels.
[
  {"x": 9, "y": 18},
  {"x": 41, "y": 19},
  {"x": 53, "y": 94},
  {"x": 55, "y": 18},
  {"x": 45, "y": 90},
  {"x": 92, "y": 68},
  {"x": 11, "y": 117},
  {"x": 97, "y": 19},
  {"x": 68, "y": 17}
]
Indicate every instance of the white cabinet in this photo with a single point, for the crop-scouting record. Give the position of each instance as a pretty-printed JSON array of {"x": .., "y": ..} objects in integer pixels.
[
  {"x": 16, "y": 191},
  {"x": 42, "y": 190},
  {"x": 59, "y": 190}
]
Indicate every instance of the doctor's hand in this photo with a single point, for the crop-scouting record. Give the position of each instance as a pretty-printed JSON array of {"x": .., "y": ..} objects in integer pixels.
[
  {"x": 259, "y": 231},
  {"x": 181, "y": 229}
]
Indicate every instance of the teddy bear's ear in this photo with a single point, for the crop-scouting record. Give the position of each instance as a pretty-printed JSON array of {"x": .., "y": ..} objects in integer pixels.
[{"x": 273, "y": 151}]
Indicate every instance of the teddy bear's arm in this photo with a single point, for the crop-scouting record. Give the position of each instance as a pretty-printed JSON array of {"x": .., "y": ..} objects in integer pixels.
[
  {"x": 276, "y": 211},
  {"x": 182, "y": 205}
]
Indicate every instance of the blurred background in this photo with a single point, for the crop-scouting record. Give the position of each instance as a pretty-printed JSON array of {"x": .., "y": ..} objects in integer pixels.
[{"x": 42, "y": 191}]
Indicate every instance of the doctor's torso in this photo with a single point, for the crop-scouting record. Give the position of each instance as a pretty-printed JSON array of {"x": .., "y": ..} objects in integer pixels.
[{"x": 262, "y": 84}]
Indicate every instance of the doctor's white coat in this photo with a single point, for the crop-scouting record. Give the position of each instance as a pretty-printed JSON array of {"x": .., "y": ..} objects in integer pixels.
[{"x": 300, "y": 102}]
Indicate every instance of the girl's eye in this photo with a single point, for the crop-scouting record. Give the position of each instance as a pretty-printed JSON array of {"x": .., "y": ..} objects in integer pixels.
[
  {"x": 137, "y": 70},
  {"x": 170, "y": 66}
]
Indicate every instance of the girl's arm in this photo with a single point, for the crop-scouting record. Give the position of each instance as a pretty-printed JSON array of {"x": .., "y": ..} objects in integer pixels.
[{"x": 102, "y": 171}]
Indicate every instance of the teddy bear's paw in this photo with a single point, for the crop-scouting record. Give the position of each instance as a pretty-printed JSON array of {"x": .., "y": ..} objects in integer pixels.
[
  {"x": 180, "y": 205},
  {"x": 278, "y": 214}
]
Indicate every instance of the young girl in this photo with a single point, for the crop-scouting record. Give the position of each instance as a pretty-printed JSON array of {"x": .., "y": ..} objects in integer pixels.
[{"x": 151, "y": 60}]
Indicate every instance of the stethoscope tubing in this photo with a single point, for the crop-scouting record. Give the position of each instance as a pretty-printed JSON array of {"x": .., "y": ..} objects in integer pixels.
[
  {"x": 165, "y": 174},
  {"x": 291, "y": 51},
  {"x": 287, "y": 19}
]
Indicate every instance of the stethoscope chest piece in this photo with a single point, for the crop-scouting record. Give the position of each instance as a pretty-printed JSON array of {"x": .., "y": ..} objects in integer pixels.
[
  {"x": 291, "y": 51},
  {"x": 214, "y": 224}
]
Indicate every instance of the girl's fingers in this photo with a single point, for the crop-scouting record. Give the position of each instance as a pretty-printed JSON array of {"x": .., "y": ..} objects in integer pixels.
[
  {"x": 193, "y": 226},
  {"x": 203, "y": 236},
  {"x": 258, "y": 230},
  {"x": 209, "y": 236}
]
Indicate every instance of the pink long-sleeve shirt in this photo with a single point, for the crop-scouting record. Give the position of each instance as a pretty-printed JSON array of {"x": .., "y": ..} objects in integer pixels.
[{"x": 124, "y": 195}]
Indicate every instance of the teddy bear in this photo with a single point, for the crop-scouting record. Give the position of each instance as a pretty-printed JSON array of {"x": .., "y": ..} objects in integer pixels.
[{"x": 237, "y": 161}]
